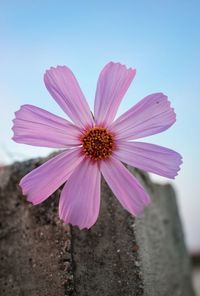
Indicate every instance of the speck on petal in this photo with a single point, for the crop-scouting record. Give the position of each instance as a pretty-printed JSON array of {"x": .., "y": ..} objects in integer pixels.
[{"x": 150, "y": 116}]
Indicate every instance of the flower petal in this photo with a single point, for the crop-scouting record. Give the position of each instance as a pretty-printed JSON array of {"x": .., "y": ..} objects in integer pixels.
[
  {"x": 125, "y": 186},
  {"x": 150, "y": 116},
  {"x": 64, "y": 88},
  {"x": 148, "y": 157},
  {"x": 39, "y": 184},
  {"x": 35, "y": 126},
  {"x": 114, "y": 80},
  {"x": 80, "y": 198}
]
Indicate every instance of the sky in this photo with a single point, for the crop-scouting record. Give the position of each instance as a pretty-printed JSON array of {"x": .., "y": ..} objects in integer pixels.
[{"x": 161, "y": 39}]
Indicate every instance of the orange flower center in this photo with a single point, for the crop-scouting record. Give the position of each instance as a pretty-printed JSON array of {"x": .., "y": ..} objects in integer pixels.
[{"x": 97, "y": 143}]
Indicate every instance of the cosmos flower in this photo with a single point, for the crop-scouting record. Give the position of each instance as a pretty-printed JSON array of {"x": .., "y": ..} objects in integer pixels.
[{"x": 95, "y": 144}]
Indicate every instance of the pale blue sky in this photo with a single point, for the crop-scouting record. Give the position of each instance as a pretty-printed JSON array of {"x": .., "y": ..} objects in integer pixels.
[{"x": 161, "y": 39}]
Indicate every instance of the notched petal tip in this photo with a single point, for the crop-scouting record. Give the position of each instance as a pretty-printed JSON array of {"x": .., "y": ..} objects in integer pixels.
[
  {"x": 56, "y": 68},
  {"x": 121, "y": 65},
  {"x": 13, "y": 121},
  {"x": 25, "y": 194},
  {"x": 170, "y": 106},
  {"x": 177, "y": 168},
  {"x": 62, "y": 216},
  {"x": 180, "y": 162},
  {"x": 48, "y": 72},
  {"x": 13, "y": 138},
  {"x": 17, "y": 112},
  {"x": 75, "y": 225},
  {"x": 21, "y": 185},
  {"x": 20, "y": 110}
]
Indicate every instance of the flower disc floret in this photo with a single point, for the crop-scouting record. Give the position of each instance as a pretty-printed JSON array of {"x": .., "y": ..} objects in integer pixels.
[{"x": 98, "y": 143}]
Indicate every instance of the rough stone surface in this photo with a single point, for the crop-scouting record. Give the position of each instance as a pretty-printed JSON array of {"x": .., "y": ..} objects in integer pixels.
[{"x": 119, "y": 256}]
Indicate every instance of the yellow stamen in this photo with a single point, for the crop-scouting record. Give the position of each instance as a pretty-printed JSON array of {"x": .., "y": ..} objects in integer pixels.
[{"x": 97, "y": 143}]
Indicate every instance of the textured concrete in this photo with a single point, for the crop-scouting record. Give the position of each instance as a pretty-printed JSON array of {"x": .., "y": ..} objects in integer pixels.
[
  {"x": 164, "y": 260},
  {"x": 119, "y": 256}
]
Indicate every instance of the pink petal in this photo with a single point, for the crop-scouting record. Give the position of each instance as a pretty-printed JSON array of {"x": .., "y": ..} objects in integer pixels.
[
  {"x": 150, "y": 116},
  {"x": 80, "y": 198},
  {"x": 125, "y": 186},
  {"x": 39, "y": 184},
  {"x": 148, "y": 157},
  {"x": 35, "y": 126},
  {"x": 64, "y": 88},
  {"x": 114, "y": 80}
]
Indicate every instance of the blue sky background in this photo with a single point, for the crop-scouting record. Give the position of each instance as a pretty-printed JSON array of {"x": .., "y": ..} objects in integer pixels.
[{"x": 161, "y": 39}]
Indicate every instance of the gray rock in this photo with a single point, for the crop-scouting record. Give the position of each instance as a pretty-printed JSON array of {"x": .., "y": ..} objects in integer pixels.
[{"x": 119, "y": 256}]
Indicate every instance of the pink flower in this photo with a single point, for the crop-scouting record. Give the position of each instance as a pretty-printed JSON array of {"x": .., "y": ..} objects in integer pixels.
[{"x": 95, "y": 145}]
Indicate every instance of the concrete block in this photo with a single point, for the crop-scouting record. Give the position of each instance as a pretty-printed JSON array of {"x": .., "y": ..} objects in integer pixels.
[{"x": 119, "y": 256}]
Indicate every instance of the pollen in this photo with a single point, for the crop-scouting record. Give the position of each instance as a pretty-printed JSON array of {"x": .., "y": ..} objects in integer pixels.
[{"x": 98, "y": 143}]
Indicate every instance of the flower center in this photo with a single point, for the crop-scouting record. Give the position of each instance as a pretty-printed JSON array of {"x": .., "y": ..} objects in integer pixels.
[{"x": 98, "y": 143}]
